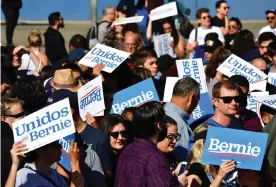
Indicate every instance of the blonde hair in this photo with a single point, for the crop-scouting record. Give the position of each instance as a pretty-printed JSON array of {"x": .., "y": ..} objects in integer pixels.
[
  {"x": 34, "y": 38},
  {"x": 7, "y": 103}
]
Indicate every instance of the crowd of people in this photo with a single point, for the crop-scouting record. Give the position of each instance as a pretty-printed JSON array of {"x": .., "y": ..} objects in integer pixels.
[{"x": 146, "y": 145}]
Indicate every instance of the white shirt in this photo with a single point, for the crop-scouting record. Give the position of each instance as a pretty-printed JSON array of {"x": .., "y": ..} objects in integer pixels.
[
  {"x": 267, "y": 29},
  {"x": 201, "y": 33},
  {"x": 28, "y": 64}
]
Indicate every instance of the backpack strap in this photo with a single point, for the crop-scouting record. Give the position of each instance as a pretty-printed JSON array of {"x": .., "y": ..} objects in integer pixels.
[
  {"x": 196, "y": 33},
  {"x": 43, "y": 175}
]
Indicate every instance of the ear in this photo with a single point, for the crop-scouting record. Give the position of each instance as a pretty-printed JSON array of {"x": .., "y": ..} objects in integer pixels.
[
  {"x": 265, "y": 119},
  {"x": 3, "y": 118},
  {"x": 214, "y": 101},
  {"x": 159, "y": 126}
]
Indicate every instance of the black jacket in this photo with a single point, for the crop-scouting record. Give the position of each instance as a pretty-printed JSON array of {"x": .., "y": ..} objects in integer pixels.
[{"x": 54, "y": 45}]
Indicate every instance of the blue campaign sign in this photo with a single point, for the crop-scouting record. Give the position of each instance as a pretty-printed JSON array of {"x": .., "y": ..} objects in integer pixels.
[
  {"x": 246, "y": 148},
  {"x": 65, "y": 143},
  {"x": 135, "y": 95},
  {"x": 204, "y": 107}
]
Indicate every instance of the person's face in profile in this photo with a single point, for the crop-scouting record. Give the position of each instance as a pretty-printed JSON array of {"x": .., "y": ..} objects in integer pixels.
[
  {"x": 233, "y": 27},
  {"x": 61, "y": 22}
]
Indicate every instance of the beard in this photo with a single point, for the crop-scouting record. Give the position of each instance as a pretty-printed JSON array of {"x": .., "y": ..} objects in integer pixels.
[{"x": 61, "y": 25}]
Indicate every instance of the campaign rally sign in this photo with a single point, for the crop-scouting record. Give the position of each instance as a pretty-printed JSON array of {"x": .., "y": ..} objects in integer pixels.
[
  {"x": 193, "y": 68},
  {"x": 234, "y": 65},
  {"x": 252, "y": 104},
  {"x": 65, "y": 142},
  {"x": 260, "y": 86},
  {"x": 90, "y": 98},
  {"x": 164, "y": 11},
  {"x": 102, "y": 54},
  {"x": 272, "y": 78},
  {"x": 204, "y": 107},
  {"x": 246, "y": 148},
  {"x": 269, "y": 100},
  {"x": 134, "y": 19},
  {"x": 161, "y": 45},
  {"x": 170, "y": 82},
  {"x": 45, "y": 126},
  {"x": 135, "y": 95}
]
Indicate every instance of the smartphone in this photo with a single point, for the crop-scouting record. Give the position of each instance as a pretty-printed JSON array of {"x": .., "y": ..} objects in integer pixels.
[{"x": 182, "y": 168}]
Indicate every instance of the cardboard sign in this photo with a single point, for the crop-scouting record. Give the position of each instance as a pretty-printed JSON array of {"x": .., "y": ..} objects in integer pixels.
[
  {"x": 102, "y": 54},
  {"x": 170, "y": 82},
  {"x": 135, "y": 95},
  {"x": 134, "y": 19},
  {"x": 252, "y": 104},
  {"x": 90, "y": 98},
  {"x": 269, "y": 100},
  {"x": 65, "y": 159},
  {"x": 272, "y": 78},
  {"x": 193, "y": 68},
  {"x": 204, "y": 107},
  {"x": 164, "y": 11},
  {"x": 45, "y": 126},
  {"x": 246, "y": 148},
  {"x": 234, "y": 65},
  {"x": 261, "y": 86},
  {"x": 161, "y": 45}
]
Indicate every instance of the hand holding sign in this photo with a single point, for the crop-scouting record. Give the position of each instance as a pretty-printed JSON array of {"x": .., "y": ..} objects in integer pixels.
[
  {"x": 17, "y": 152},
  {"x": 225, "y": 168}
]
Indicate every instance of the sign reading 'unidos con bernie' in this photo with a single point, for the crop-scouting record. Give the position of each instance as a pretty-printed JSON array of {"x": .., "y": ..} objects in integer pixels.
[
  {"x": 102, "y": 54},
  {"x": 246, "y": 148},
  {"x": 45, "y": 126}
]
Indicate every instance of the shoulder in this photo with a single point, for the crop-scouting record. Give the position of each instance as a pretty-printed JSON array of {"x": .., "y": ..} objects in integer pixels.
[
  {"x": 93, "y": 133},
  {"x": 265, "y": 28},
  {"x": 21, "y": 176},
  {"x": 215, "y": 28}
]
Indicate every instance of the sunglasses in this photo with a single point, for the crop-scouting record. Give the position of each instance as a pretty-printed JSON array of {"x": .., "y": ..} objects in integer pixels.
[
  {"x": 232, "y": 27},
  {"x": 270, "y": 18},
  {"x": 172, "y": 137},
  {"x": 22, "y": 114},
  {"x": 227, "y": 7},
  {"x": 205, "y": 17},
  {"x": 116, "y": 134},
  {"x": 229, "y": 99}
]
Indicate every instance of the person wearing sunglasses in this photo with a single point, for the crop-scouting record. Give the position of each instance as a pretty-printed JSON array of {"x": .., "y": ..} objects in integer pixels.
[
  {"x": 197, "y": 36},
  {"x": 115, "y": 127},
  {"x": 11, "y": 110},
  {"x": 271, "y": 21},
  {"x": 234, "y": 26},
  {"x": 221, "y": 19}
]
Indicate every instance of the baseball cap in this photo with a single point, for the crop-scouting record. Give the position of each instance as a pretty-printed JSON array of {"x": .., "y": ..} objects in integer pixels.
[
  {"x": 76, "y": 54},
  {"x": 61, "y": 94},
  {"x": 271, "y": 11},
  {"x": 211, "y": 42}
]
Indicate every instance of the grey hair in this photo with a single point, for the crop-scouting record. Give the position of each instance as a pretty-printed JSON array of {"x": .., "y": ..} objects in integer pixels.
[
  {"x": 105, "y": 10},
  {"x": 185, "y": 86}
]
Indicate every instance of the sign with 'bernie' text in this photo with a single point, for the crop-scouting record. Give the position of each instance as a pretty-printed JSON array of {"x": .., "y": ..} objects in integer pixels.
[
  {"x": 90, "y": 98},
  {"x": 161, "y": 45},
  {"x": 234, "y": 65},
  {"x": 269, "y": 100},
  {"x": 246, "y": 148},
  {"x": 102, "y": 54},
  {"x": 45, "y": 126},
  {"x": 164, "y": 11},
  {"x": 135, "y": 95}
]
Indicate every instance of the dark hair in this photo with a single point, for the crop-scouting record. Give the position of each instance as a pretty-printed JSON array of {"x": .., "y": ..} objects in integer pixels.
[
  {"x": 219, "y": 55},
  {"x": 174, "y": 33},
  {"x": 243, "y": 42},
  {"x": 128, "y": 110},
  {"x": 240, "y": 80},
  {"x": 73, "y": 67},
  {"x": 53, "y": 17},
  {"x": 110, "y": 121},
  {"x": 218, "y": 3},
  {"x": 141, "y": 54},
  {"x": 133, "y": 27},
  {"x": 185, "y": 86},
  {"x": 237, "y": 20},
  {"x": 47, "y": 72},
  {"x": 30, "y": 90},
  {"x": 166, "y": 122},
  {"x": 140, "y": 4},
  {"x": 267, "y": 109},
  {"x": 266, "y": 36},
  {"x": 78, "y": 41},
  {"x": 146, "y": 119},
  {"x": 200, "y": 11},
  {"x": 228, "y": 84},
  {"x": 141, "y": 74}
]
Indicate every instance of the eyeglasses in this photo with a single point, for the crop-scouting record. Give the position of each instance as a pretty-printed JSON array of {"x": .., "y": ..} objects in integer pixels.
[
  {"x": 116, "y": 134},
  {"x": 172, "y": 137},
  {"x": 232, "y": 27},
  {"x": 227, "y": 7},
  {"x": 229, "y": 99},
  {"x": 270, "y": 18},
  {"x": 130, "y": 44},
  {"x": 61, "y": 19},
  {"x": 205, "y": 17},
  {"x": 21, "y": 114}
]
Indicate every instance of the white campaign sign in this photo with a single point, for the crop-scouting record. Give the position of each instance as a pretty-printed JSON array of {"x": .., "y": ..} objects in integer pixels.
[
  {"x": 45, "y": 126},
  {"x": 102, "y": 54},
  {"x": 170, "y": 82},
  {"x": 164, "y": 11},
  {"x": 269, "y": 100},
  {"x": 161, "y": 45},
  {"x": 90, "y": 98},
  {"x": 252, "y": 104},
  {"x": 193, "y": 68},
  {"x": 234, "y": 65},
  {"x": 272, "y": 78},
  {"x": 261, "y": 86},
  {"x": 134, "y": 19}
]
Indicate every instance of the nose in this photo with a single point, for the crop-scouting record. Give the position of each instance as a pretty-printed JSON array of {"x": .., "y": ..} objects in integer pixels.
[{"x": 120, "y": 137}]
